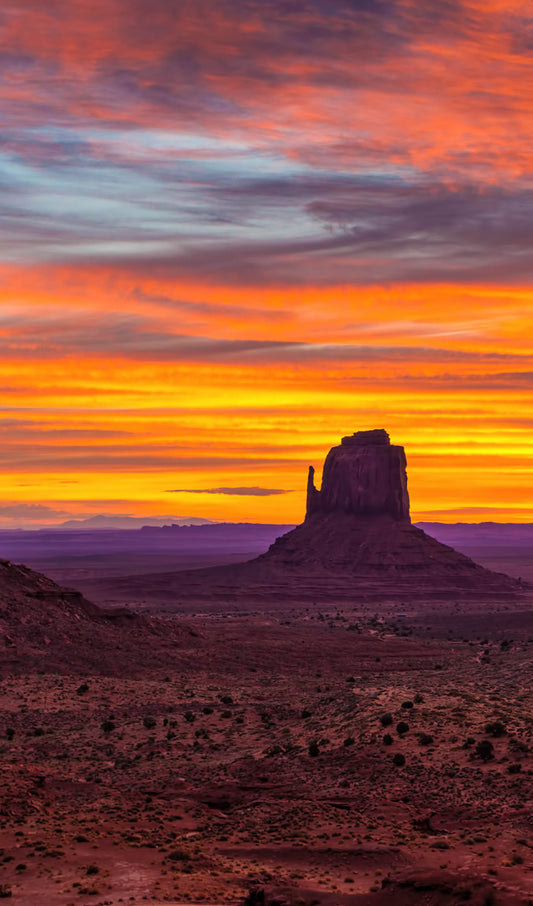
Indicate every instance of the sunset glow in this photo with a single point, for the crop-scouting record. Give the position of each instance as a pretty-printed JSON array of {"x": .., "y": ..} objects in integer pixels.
[{"x": 233, "y": 233}]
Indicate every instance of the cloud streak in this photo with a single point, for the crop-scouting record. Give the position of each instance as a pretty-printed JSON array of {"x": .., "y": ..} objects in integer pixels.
[
  {"x": 31, "y": 512},
  {"x": 231, "y": 492},
  {"x": 57, "y": 335}
]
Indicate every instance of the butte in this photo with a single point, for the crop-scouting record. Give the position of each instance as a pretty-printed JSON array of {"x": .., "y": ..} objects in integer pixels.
[{"x": 356, "y": 543}]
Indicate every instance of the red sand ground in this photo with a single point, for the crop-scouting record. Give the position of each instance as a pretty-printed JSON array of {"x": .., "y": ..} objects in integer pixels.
[{"x": 174, "y": 762}]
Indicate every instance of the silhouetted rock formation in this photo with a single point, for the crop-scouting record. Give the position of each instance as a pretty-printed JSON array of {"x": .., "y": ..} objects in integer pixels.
[
  {"x": 358, "y": 527},
  {"x": 365, "y": 476},
  {"x": 356, "y": 543}
]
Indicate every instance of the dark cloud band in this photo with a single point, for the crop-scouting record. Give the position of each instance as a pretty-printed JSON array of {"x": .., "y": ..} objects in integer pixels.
[{"x": 239, "y": 492}]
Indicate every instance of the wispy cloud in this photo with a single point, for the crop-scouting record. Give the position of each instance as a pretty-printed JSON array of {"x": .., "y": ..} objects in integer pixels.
[
  {"x": 57, "y": 334},
  {"x": 239, "y": 492},
  {"x": 476, "y": 511},
  {"x": 31, "y": 512}
]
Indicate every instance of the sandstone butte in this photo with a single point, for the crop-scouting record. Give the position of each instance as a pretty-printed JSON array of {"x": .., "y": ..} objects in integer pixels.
[
  {"x": 357, "y": 542},
  {"x": 365, "y": 475}
]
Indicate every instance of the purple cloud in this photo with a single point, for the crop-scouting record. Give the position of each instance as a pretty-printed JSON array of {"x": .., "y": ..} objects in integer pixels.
[{"x": 240, "y": 492}]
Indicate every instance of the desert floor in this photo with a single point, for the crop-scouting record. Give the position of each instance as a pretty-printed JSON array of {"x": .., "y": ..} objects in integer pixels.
[{"x": 260, "y": 760}]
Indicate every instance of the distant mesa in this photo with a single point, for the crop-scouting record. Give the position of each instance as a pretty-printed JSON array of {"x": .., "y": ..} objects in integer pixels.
[
  {"x": 357, "y": 542},
  {"x": 121, "y": 523}
]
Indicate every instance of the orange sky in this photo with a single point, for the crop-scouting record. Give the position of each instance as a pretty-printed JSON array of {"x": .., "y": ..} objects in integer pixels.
[{"x": 231, "y": 234}]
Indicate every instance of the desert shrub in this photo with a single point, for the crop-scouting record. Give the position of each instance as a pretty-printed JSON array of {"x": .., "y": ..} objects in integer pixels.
[
  {"x": 407, "y": 705},
  {"x": 305, "y": 714},
  {"x": 485, "y": 750},
  {"x": 272, "y": 751},
  {"x": 313, "y": 749},
  {"x": 398, "y": 760},
  {"x": 469, "y": 741},
  {"x": 108, "y": 726},
  {"x": 419, "y": 698},
  {"x": 402, "y": 728},
  {"x": 149, "y": 722},
  {"x": 10, "y": 733},
  {"x": 425, "y": 739},
  {"x": 226, "y": 714},
  {"x": 514, "y": 768},
  {"x": 226, "y": 699},
  {"x": 92, "y": 870},
  {"x": 496, "y": 728},
  {"x": 5, "y": 891},
  {"x": 349, "y": 741},
  {"x": 387, "y": 739},
  {"x": 81, "y": 690},
  {"x": 190, "y": 716},
  {"x": 207, "y": 710},
  {"x": 386, "y": 720},
  {"x": 38, "y": 731},
  {"x": 178, "y": 855},
  {"x": 255, "y": 897}
]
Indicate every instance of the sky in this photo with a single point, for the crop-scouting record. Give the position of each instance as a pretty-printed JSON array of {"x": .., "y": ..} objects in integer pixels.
[{"x": 231, "y": 233}]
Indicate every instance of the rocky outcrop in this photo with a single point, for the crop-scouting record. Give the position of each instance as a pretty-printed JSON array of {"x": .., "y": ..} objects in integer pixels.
[
  {"x": 357, "y": 537},
  {"x": 364, "y": 476},
  {"x": 358, "y": 529},
  {"x": 43, "y": 625},
  {"x": 356, "y": 543}
]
